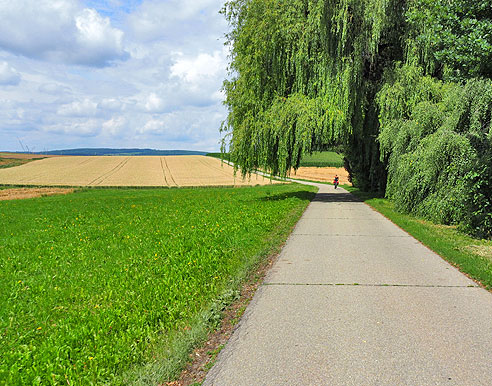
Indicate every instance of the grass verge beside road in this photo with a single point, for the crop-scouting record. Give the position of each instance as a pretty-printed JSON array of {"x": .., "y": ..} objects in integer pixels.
[
  {"x": 118, "y": 285},
  {"x": 472, "y": 256}
]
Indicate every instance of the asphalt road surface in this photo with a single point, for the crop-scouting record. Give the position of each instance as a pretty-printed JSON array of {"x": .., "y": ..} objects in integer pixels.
[{"x": 354, "y": 300}]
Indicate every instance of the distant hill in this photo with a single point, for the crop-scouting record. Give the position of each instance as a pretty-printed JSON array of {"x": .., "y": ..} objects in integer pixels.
[{"x": 107, "y": 151}]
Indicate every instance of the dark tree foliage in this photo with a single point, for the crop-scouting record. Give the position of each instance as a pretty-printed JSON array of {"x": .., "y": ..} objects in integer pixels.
[{"x": 452, "y": 38}]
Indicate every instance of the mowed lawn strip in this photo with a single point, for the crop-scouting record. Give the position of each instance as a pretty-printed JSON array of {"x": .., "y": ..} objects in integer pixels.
[
  {"x": 472, "y": 256},
  {"x": 95, "y": 283}
]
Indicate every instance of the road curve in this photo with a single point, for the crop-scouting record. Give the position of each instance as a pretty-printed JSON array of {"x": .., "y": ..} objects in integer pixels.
[{"x": 354, "y": 300}]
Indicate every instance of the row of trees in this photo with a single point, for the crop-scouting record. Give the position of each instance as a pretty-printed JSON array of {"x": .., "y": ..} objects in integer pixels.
[{"x": 402, "y": 87}]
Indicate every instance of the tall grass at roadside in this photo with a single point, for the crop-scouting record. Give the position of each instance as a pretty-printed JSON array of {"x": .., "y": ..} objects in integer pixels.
[
  {"x": 94, "y": 282},
  {"x": 472, "y": 256}
]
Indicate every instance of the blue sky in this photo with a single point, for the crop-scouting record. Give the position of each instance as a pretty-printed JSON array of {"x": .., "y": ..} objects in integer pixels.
[{"x": 111, "y": 73}]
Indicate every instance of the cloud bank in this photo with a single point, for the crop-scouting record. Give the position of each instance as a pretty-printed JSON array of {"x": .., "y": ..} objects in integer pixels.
[{"x": 111, "y": 73}]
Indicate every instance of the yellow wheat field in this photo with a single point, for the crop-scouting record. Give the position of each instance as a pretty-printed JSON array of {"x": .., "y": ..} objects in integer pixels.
[
  {"x": 169, "y": 171},
  {"x": 325, "y": 174}
]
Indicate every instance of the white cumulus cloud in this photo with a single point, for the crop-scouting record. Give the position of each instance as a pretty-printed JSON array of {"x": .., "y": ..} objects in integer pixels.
[
  {"x": 157, "y": 19},
  {"x": 8, "y": 75},
  {"x": 114, "y": 125},
  {"x": 98, "y": 42},
  {"x": 199, "y": 68},
  {"x": 154, "y": 126},
  {"x": 154, "y": 103},
  {"x": 110, "y": 104},
  {"x": 83, "y": 108},
  {"x": 60, "y": 31},
  {"x": 80, "y": 128},
  {"x": 54, "y": 89}
]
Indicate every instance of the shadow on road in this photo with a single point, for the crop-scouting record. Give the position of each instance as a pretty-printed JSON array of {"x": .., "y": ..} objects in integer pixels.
[
  {"x": 319, "y": 197},
  {"x": 336, "y": 197}
]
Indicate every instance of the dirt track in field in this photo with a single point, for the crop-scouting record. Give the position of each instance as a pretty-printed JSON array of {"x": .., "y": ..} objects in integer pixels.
[
  {"x": 22, "y": 193},
  {"x": 321, "y": 174},
  {"x": 170, "y": 171}
]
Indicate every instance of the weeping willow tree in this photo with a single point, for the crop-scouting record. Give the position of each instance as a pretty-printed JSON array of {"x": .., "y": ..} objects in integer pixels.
[
  {"x": 401, "y": 86},
  {"x": 303, "y": 77}
]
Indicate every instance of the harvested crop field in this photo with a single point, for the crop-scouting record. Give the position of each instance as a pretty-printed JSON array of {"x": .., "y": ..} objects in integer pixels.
[
  {"x": 321, "y": 174},
  {"x": 171, "y": 171}
]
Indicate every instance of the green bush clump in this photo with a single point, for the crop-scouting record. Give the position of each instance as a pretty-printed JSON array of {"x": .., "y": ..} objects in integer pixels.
[{"x": 435, "y": 138}]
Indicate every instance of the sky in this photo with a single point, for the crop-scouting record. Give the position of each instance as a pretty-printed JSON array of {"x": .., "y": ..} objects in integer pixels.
[{"x": 111, "y": 73}]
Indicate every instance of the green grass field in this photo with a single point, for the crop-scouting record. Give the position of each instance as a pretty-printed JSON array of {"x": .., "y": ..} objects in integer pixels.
[
  {"x": 319, "y": 159},
  {"x": 107, "y": 285},
  {"x": 472, "y": 256},
  {"x": 219, "y": 155},
  {"x": 323, "y": 159}
]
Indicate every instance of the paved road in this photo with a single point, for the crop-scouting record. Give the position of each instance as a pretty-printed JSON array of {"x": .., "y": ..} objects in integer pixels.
[{"x": 354, "y": 300}]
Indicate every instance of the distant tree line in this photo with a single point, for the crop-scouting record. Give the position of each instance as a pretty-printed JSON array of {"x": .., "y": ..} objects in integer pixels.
[
  {"x": 120, "y": 152},
  {"x": 403, "y": 87}
]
